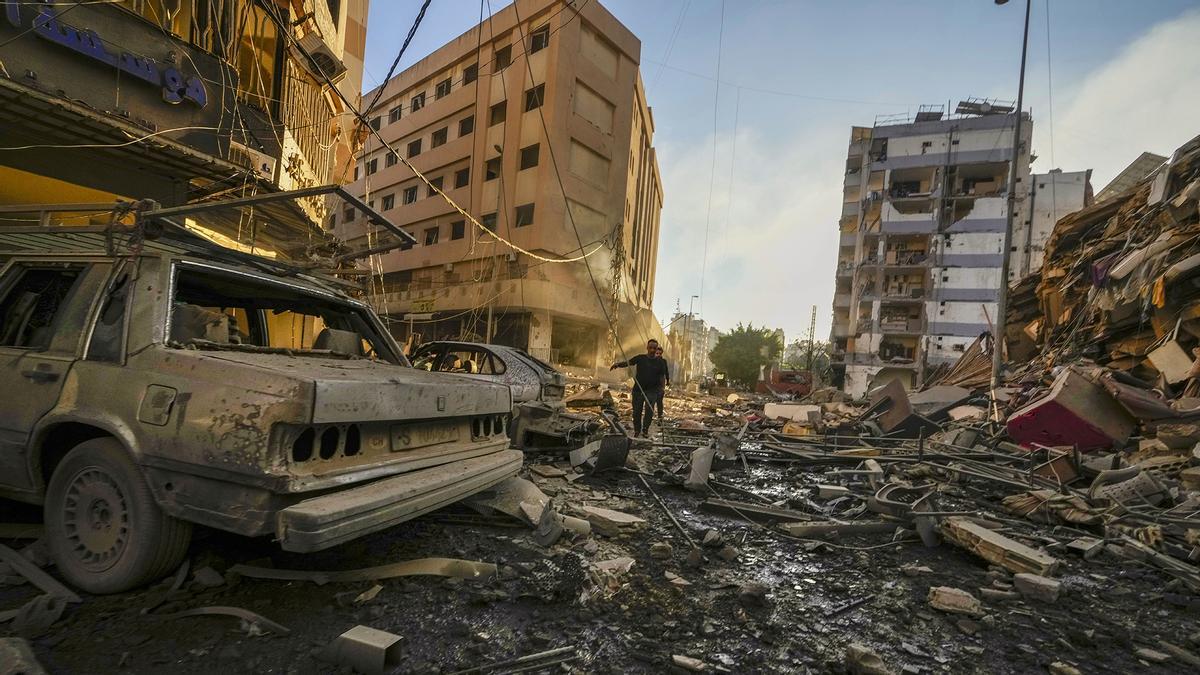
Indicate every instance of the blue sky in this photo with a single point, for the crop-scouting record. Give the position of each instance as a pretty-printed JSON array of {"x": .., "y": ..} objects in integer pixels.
[{"x": 1126, "y": 78}]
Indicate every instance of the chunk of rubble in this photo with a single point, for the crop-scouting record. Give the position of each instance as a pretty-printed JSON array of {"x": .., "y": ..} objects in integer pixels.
[
  {"x": 862, "y": 660},
  {"x": 689, "y": 663},
  {"x": 661, "y": 550},
  {"x": 620, "y": 565},
  {"x": 1037, "y": 587},
  {"x": 609, "y": 522},
  {"x": 954, "y": 601}
]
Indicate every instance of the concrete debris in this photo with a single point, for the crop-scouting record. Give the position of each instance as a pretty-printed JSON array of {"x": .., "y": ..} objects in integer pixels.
[
  {"x": 38, "y": 615},
  {"x": 36, "y": 576},
  {"x": 1060, "y": 668},
  {"x": 676, "y": 580},
  {"x": 620, "y": 565},
  {"x": 753, "y": 595},
  {"x": 611, "y": 523},
  {"x": 1036, "y": 587},
  {"x": 1152, "y": 655},
  {"x": 207, "y": 577},
  {"x": 997, "y": 548},
  {"x": 16, "y": 658},
  {"x": 862, "y": 660},
  {"x": 366, "y": 650},
  {"x": 954, "y": 601},
  {"x": 660, "y": 550},
  {"x": 688, "y": 663}
]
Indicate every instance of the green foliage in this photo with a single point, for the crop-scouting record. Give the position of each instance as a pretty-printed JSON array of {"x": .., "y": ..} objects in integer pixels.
[
  {"x": 742, "y": 352},
  {"x": 797, "y": 358}
]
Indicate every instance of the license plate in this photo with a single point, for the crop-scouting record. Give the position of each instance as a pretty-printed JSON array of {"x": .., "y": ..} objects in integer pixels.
[{"x": 408, "y": 437}]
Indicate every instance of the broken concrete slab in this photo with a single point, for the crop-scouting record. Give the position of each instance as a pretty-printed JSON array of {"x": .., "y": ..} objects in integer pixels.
[
  {"x": 688, "y": 663},
  {"x": 609, "y": 522},
  {"x": 832, "y": 491},
  {"x": 954, "y": 601},
  {"x": 795, "y": 412},
  {"x": 621, "y": 565},
  {"x": 661, "y": 550},
  {"x": 1037, "y": 587},
  {"x": 997, "y": 548}
]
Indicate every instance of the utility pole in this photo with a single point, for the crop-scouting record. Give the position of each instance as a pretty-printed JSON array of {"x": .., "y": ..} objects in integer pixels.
[
  {"x": 1006, "y": 254},
  {"x": 812, "y": 335}
]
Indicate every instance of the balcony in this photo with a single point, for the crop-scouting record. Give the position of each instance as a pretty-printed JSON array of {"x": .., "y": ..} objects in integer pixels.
[
  {"x": 841, "y": 300},
  {"x": 904, "y": 295},
  {"x": 853, "y": 179},
  {"x": 845, "y": 269},
  {"x": 905, "y": 258},
  {"x": 848, "y": 238},
  {"x": 901, "y": 326},
  {"x": 850, "y": 209}
]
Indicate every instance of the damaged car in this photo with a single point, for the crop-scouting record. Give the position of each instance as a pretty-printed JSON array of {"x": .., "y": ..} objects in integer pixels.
[
  {"x": 539, "y": 417},
  {"x": 175, "y": 384}
]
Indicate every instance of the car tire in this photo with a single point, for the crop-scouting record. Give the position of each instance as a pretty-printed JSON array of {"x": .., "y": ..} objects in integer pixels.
[{"x": 105, "y": 531}]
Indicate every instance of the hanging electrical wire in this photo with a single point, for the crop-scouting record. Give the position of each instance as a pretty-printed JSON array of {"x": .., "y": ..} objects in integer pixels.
[{"x": 712, "y": 174}]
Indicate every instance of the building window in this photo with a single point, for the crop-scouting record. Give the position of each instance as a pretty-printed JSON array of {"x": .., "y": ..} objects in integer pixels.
[
  {"x": 389, "y": 202},
  {"x": 534, "y": 97},
  {"x": 471, "y": 73},
  {"x": 417, "y": 103},
  {"x": 539, "y": 39},
  {"x": 488, "y": 221},
  {"x": 458, "y": 229},
  {"x": 355, "y": 172},
  {"x": 443, "y": 89},
  {"x": 462, "y": 177},
  {"x": 348, "y": 216},
  {"x": 374, "y": 123},
  {"x": 529, "y": 156},
  {"x": 390, "y": 159},
  {"x": 414, "y": 148},
  {"x": 466, "y": 125},
  {"x": 257, "y": 59},
  {"x": 502, "y": 59},
  {"x": 437, "y": 183},
  {"x": 438, "y": 137},
  {"x": 332, "y": 220},
  {"x": 394, "y": 114},
  {"x": 524, "y": 215},
  {"x": 491, "y": 169},
  {"x": 497, "y": 114},
  {"x": 372, "y": 166},
  {"x": 410, "y": 194},
  {"x": 431, "y": 236}
]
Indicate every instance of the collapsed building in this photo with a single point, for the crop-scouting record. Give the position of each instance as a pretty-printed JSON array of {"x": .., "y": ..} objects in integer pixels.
[{"x": 922, "y": 229}]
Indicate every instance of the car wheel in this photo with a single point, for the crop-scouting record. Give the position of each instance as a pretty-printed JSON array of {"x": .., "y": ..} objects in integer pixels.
[{"x": 105, "y": 531}]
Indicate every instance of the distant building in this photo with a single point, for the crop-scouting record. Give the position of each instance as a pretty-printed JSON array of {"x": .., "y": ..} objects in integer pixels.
[
  {"x": 179, "y": 102},
  {"x": 1131, "y": 175},
  {"x": 691, "y": 340},
  {"x": 470, "y": 116},
  {"x": 922, "y": 231}
]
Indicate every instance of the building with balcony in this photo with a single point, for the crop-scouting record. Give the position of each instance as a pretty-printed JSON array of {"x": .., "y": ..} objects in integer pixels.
[
  {"x": 536, "y": 123},
  {"x": 179, "y": 102},
  {"x": 922, "y": 231}
]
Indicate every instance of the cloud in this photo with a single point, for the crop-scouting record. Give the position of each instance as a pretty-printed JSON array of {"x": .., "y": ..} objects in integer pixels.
[
  {"x": 773, "y": 235},
  {"x": 1145, "y": 98}
]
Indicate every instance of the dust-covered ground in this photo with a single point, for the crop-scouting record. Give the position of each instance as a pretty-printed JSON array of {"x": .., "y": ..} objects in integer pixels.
[{"x": 757, "y": 601}]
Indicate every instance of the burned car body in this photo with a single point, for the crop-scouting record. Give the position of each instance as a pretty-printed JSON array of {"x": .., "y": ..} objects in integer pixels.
[
  {"x": 176, "y": 384},
  {"x": 529, "y": 378},
  {"x": 539, "y": 418}
]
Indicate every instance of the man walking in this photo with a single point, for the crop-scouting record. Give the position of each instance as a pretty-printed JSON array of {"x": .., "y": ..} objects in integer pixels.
[{"x": 648, "y": 380}]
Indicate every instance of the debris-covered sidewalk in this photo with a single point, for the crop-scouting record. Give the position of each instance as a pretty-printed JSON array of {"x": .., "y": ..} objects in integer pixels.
[{"x": 901, "y": 533}]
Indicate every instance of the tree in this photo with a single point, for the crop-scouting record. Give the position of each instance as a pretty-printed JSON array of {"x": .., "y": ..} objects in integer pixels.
[
  {"x": 796, "y": 358},
  {"x": 742, "y": 353}
]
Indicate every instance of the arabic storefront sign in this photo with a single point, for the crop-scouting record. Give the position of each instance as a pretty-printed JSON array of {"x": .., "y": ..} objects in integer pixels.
[{"x": 176, "y": 88}]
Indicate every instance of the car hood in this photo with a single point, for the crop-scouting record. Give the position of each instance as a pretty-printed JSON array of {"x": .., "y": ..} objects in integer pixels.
[{"x": 358, "y": 390}]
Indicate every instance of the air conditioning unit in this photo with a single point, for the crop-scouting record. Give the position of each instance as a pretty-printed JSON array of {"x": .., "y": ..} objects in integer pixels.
[
  {"x": 321, "y": 60},
  {"x": 448, "y": 268},
  {"x": 260, "y": 162}
]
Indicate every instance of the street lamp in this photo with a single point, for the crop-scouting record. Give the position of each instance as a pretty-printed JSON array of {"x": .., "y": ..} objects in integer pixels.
[{"x": 1006, "y": 254}]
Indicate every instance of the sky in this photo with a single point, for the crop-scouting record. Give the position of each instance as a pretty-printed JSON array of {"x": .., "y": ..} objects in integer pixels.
[{"x": 1106, "y": 80}]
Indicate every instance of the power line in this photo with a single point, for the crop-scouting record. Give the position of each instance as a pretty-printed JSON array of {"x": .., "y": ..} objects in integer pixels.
[
  {"x": 712, "y": 174},
  {"x": 671, "y": 44},
  {"x": 396, "y": 61}
]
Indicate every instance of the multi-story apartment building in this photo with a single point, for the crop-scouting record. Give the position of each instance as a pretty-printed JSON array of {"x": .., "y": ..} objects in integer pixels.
[
  {"x": 691, "y": 340},
  {"x": 536, "y": 123},
  {"x": 179, "y": 101},
  {"x": 922, "y": 231}
]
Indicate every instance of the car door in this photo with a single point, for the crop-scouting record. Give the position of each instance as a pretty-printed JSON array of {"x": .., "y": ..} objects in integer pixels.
[{"x": 43, "y": 308}]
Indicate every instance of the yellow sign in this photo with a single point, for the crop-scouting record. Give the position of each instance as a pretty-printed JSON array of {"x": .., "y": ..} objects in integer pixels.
[{"x": 419, "y": 306}]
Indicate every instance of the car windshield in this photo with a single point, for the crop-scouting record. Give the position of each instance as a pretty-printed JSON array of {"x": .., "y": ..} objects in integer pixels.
[{"x": 212, "y": 309}]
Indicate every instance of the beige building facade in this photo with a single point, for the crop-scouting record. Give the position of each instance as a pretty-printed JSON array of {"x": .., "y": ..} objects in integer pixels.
[{"x": 536, "y": 123}]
